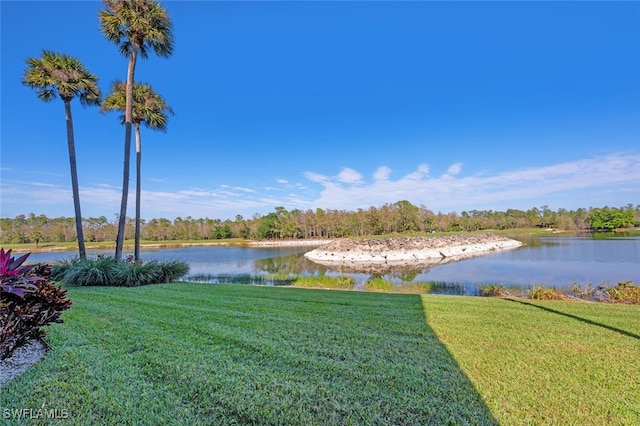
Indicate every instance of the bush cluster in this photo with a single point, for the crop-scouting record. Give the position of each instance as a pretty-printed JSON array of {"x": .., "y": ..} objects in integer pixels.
[
  {"x": 493, "y": 290},
  {"x": 107, "y": 271},
  {"x": 624, "y": 292},
  {"x": 29, "y": 302},
  {"x": 546, "y": 293}
]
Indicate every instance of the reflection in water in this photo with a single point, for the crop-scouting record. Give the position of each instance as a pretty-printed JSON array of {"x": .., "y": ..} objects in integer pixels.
[
  {"x": 553, "y": 260},
  {"x": 294, "y": 263}
]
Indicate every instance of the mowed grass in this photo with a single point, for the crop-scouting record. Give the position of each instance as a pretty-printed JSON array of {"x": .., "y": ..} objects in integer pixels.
[
  {"x": 545, "y": 362},
  {"x": 228, "y": 354},
  {"x": 202, "y": 354}
]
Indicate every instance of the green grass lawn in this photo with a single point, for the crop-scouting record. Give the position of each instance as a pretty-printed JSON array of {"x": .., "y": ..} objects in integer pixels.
[{"x": 226, "y": 354}]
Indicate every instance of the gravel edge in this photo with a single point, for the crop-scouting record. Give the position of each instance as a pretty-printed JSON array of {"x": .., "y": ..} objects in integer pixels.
[{"x": 22, "y": 358}]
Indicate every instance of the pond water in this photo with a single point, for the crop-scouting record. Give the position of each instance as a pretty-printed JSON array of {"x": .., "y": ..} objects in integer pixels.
[{"x": 555, "y": 260}]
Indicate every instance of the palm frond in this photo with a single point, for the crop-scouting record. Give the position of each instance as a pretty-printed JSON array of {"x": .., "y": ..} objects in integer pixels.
[
  {"x": 140, "y": 24},
  {"x": 148, "y": 108},
  {"x": 56, "y": 74}
]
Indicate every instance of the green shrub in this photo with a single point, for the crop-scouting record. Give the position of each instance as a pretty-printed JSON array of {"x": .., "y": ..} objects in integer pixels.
[
  {"x": 23, "y": 314},
  {"x": 60, "y": 268},
  {"x": 90, "y": 272},
  {"x": 171, "y": 270},
  {"x": 136, "y": 274},
  {"x": 107, "y": 271}
]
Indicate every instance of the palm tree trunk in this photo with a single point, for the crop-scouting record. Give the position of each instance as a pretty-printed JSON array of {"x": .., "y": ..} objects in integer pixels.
[
  {"x": 136, "y": 254},
  {"x": 122, "y": 219},
  {"x": 74, "y": 179}
]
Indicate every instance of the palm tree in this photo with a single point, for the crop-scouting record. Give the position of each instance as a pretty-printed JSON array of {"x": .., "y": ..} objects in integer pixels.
[
  {"x": 148, "y": 108},
  {"x": 135, "y": 26},
  {"x": 61, "y": 75}
]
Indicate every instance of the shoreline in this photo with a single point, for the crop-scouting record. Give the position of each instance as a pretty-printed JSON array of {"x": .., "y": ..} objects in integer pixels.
[
  {"x": 288, "y": 243},
  {"x": 243, "y": 243}
]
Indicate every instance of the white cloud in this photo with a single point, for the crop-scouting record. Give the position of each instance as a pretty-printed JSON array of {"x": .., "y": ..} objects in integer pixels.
[
  {"x": 454, "y": 169},
  {"x": 382, "y": 173},
  {"x": 348, "y": 175},
  {"x": 421, "y": 173},
  {"x": 509, "y": 188},
  {"x": 603, "y": 180},
  {"x": 315, "y": 177},
  {"x": 241, "y": 189}
]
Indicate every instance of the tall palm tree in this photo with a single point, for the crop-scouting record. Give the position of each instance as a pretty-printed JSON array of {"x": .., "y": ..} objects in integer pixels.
[
  {"x": 135, "y": 26},
  {"x": 53, "y": 75},
  {"x": 149, "y": 109}
]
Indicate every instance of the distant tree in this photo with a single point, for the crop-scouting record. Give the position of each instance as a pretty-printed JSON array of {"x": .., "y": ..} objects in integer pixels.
[
  {"x": 407, "y": 215},
  {"x": 53, "y": 75},
  {"x": 611, "y": 218},
  {"x": 135, "y": 26},
  {"x": 150, "y": 110}
]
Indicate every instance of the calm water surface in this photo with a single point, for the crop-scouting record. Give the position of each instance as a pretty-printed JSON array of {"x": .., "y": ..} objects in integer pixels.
[{"x": 558, "y": 261}]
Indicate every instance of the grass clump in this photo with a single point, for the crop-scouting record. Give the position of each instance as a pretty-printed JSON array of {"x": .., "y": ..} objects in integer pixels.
[
  {"x": 493, "y": 290},
  {"x": 546, "y": 293},
  {"x": 378, "y": 284},
  {"x": 107, "y": 271},
  {"x": 341, "y": 282},
  {"x": 624, "y": 292},
  {"x": 246, "y": 279},
  {"x": 416, "y": 287}
]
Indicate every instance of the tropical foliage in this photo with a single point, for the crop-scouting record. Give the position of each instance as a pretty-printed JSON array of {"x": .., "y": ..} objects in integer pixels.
[
  {"x": 150, "y": 110},
  {"x": 53, "y": 75},
  {"x": 28, "y": 303},
  {"x": 135, "y": 26},
  {"x": 108, "y": 271},
  {"x": 13, "y": 276}
]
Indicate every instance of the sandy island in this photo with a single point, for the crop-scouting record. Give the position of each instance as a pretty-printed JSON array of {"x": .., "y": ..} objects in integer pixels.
[{"x": 378, "y": 255}]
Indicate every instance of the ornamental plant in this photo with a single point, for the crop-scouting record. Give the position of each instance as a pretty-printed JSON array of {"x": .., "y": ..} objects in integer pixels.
[
  {"x": 28, "y": 302},
  {"x": 14, "y": 278}
]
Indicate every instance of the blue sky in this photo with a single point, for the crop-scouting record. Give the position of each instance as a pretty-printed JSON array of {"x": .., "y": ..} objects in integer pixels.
[{"x": 341, "y": 105}]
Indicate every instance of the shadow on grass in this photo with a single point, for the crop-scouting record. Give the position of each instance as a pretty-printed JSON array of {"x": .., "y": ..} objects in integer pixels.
[
  {"x": 458, "y": 386},
  {"x": 229, "y": 354},
  {"x": 584, "y": 320}
]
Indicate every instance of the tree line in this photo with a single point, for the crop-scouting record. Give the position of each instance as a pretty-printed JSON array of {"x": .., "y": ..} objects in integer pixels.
[
  {"x": 400, "y": 217},
  {"x": 136, "y": 27}
]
